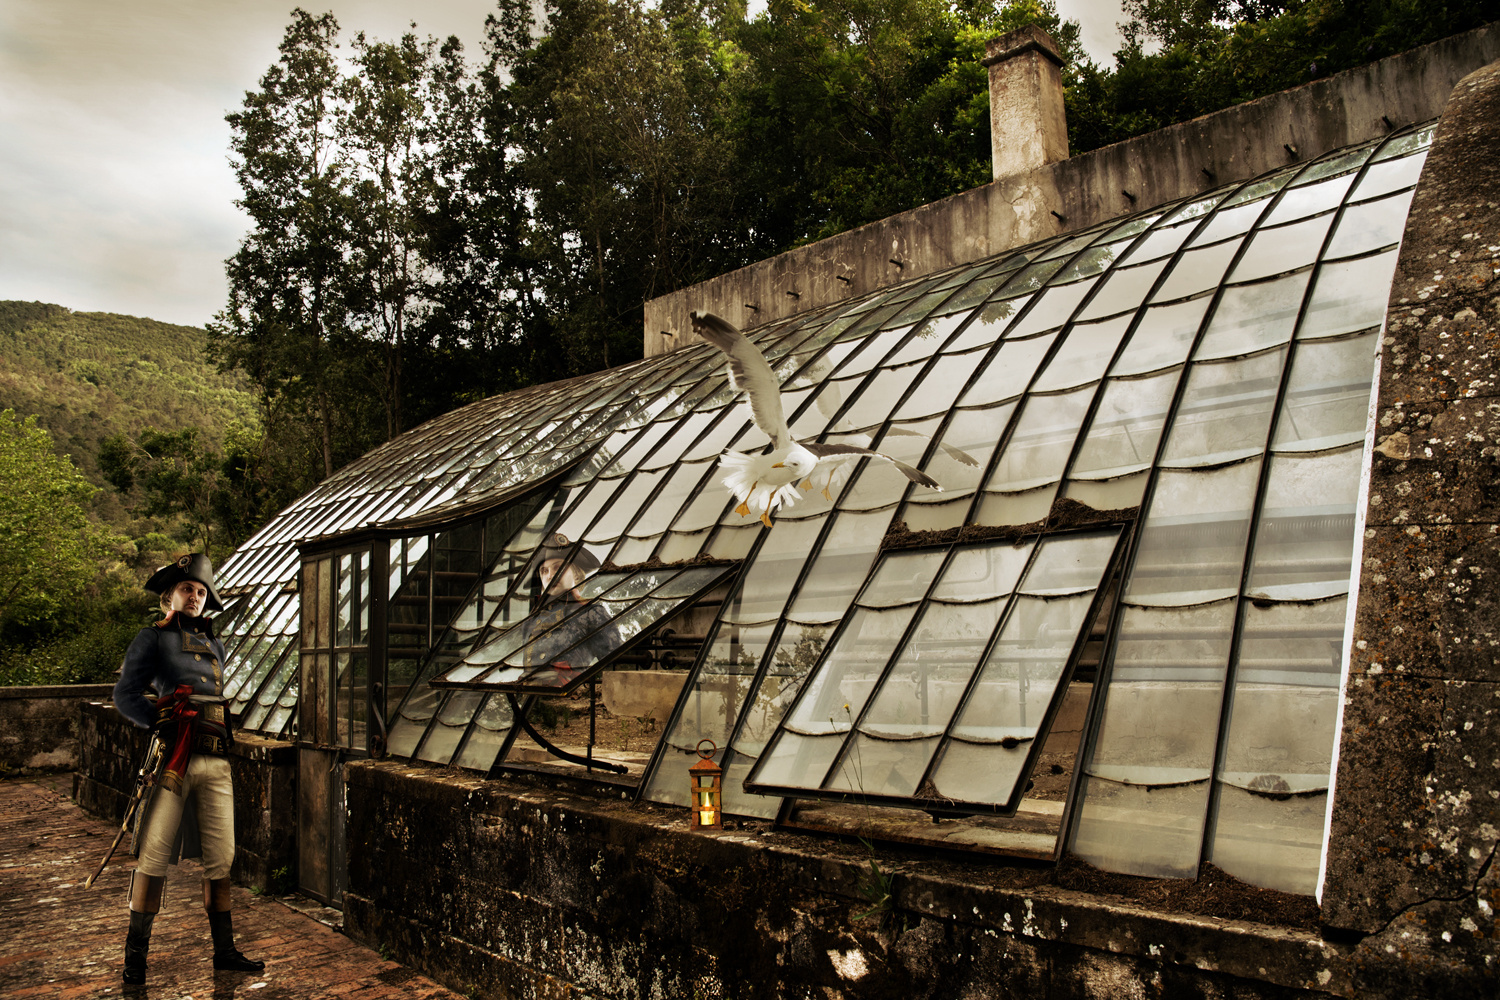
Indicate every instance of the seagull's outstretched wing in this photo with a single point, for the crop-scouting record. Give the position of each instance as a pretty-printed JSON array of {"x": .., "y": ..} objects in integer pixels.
[
  {"x": 916, "y": 475},
  {"x": 957, "y": 454},
  {"x": 749, "y": 372}
]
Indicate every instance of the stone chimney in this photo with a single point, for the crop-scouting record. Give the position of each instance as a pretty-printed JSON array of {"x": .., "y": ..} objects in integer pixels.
[{"x": 1028, "y": 125}]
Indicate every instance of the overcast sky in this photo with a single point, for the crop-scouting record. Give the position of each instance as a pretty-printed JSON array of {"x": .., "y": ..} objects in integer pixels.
[{"x": 115, "y": 188}]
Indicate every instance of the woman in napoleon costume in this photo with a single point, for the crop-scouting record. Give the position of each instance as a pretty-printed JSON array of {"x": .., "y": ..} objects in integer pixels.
[{"x": 191, "y": 810}]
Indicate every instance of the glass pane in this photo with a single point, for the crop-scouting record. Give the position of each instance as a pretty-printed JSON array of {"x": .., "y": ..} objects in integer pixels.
[
  {"x": 1124, "y": 290},
  {"x": 770, "y": 578},
  {"x": 1225, "y": 412},
  {"x": 879, "y": 766},
  {"x": 1068, "y": 564},
  {"x": 836, "y": 693},
  {"x": 1388, "y": 175},
  {"x": 1305, "y": 543},
  {"x": 940, "y": 386},
  {"x": 1192, "y": 547},
  {"x": 973, "y": 433},
  {"x": 343, "y": 600},
  {"x": 982, "y": 572},
  {"x": 1300, "y": 202},
  {"x": 1126, "y": 427},
  {"x": 996, "y": 509},
  {"x": 920, "y": 694},
  {"x": 1109, "y": 494},
  {"x": 616, "y": 515},
  {"x": 1008, "y": 372},
  {"x": 1161, "y": 243},
  {"x": 1197, "y": 271},
  {"x": 937, "y": 516},
  {"x": 1084, "y": 354},
  {"x": 1328, "y": 394},
  {"x": 842, "y": 564},
  {"x": 1011, "y": 698},
  {"x": 1276, "y": 251},
  {"x": 679, "y": 545},
  {"x": 798, "y": 761},
  {"x": 1043, "y": 438},
  {"x": 1251, "y": 317},
  {"x": 902, "y": 578},
  {"x": 988, "y": 324},
  {"x": 1370, "y": 226},
  {"x": 1230, "y": 221},
  {"x": 492, "y": 724},
  {"x": 1350, "y": 295},
  {"x": 714, "y": 697},
  {"x": 1053, "y": 307},
  {"x": 1145, "y": 794},
  {"x": 797, "y": 650},
  {"x": 878, "y": 399},
  {"x": 1163, "y": 338},
  {"x": 879, "y": 483},
  {"x": 682, "y": 482},
  {"x": 1272, "y": 793},
  {"x": 705, "y": 509}
]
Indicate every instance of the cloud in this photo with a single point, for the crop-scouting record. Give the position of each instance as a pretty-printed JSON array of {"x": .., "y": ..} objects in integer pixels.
[{"x": 116, "y": 192}]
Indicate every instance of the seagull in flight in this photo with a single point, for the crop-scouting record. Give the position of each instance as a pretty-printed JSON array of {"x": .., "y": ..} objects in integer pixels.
[{"x": 764, "y": 482}]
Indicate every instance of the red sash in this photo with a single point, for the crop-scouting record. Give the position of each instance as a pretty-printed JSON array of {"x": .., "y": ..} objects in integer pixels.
[{"x": 175, "y": 709}]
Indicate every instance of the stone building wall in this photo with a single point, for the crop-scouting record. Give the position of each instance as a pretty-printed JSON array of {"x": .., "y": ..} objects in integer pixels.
[{"x": 1416, "y": 806}]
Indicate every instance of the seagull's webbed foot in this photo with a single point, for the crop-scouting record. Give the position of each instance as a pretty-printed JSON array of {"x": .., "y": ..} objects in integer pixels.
[
  {"x": 805, "y": 485},
  {"x": 743, "y": 510},
  {"x": 766, "y": 519},
  {"x": 826, "y": 495}
]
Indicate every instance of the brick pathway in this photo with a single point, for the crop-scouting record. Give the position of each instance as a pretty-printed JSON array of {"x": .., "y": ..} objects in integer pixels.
[{"x": 59, "y": 940}]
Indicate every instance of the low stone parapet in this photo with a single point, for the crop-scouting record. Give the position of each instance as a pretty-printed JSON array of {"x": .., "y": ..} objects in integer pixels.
[{"x": 39, "y": 726}]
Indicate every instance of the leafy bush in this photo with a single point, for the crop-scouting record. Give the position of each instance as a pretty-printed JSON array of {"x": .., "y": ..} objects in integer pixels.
[{"x": 90, "y": 657}]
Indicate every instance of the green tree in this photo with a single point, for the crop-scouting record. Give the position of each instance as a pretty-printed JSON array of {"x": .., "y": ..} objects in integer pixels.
[
  {"x": 50, "y": 552},
  {"x": 287, "y": 320}
]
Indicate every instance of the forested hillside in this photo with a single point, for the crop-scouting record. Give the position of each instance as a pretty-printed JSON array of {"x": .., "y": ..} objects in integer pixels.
[
  {"x": 121, "y": 445},
  {"x": 89, "y": 376}
]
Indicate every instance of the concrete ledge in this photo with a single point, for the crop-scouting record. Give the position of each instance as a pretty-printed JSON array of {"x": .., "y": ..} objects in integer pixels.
[{"x": 638, "y": 694}]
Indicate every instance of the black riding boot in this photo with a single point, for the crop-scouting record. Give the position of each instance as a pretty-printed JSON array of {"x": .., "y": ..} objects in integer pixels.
[
  {"x": 137, "y": 943},
  {"x": 145, "y": 901},
  {"x": 226, "y": 956}
]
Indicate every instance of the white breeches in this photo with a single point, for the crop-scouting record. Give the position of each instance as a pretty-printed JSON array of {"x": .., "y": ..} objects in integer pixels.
[{"x": 208, "y": 778}]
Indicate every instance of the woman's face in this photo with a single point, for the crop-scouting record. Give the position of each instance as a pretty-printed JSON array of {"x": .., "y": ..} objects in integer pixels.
[
  {"x": 559, "y": 577},
  {"x": 188, "y": 598}
]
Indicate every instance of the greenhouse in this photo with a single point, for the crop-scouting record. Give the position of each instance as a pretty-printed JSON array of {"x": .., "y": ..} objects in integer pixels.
[{"x": 1149, "y": 437}]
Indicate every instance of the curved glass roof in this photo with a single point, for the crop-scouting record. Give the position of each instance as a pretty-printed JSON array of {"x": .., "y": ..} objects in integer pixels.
[{"x": 1185, "y": 390}]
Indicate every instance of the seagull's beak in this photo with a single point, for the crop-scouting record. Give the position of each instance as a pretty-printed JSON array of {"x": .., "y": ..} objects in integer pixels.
[{"x": 779, "y": 465}]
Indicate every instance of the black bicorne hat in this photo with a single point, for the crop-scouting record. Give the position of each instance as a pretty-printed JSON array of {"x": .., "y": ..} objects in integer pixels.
[
  {"x": 193, "y": 566},
  {"x": 557, "y": 546}
]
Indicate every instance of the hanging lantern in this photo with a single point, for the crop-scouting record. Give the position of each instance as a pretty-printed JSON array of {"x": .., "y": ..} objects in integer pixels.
[{"x": 706, "y": 802}]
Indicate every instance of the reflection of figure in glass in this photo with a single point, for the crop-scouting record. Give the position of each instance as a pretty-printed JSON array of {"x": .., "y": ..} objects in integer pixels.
[
  {"x": 564, "y": 616},
  {"x": 191, "y": 809}
]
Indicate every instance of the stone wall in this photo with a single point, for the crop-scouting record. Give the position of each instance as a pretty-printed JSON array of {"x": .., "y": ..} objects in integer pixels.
[
  {"x": 510, "y": 892},
  {"x": 265, "y": 792},
  {"x": 1176, "y": 162},
  {"x": 1416, "y": 812},
  {"x": 515, "y": 892},
  {"x": 39, "y": 726}
]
